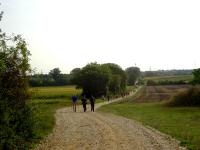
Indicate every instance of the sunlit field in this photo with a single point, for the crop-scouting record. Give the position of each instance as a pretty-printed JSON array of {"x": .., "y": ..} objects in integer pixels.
[{"x": 54, "y": 92}]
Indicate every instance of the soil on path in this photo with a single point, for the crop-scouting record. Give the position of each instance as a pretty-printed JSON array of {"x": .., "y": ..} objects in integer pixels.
[{"x": 102, "y": 131}]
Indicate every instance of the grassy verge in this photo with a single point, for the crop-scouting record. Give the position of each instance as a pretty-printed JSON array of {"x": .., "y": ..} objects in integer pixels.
[
  {"x": 44, "y": 111},
  {"x": 182, "y": 123}
]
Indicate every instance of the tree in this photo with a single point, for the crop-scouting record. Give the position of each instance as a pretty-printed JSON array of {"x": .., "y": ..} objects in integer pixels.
[
  {"x": 118, "y": 78},
  {"x": 16, "y": 122},
  {"x": 93, "y": 79},
  {"x": 196, "y": 76},
  {"x": 55, "y": 73},
  {"x": 75, "y": 75},
  {"x": 114, "y": 84},
  {"x": 98, "y": 80},
  {"x": 133, "y": 74}
]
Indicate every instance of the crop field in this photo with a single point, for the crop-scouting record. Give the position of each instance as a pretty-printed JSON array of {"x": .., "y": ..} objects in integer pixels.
[
  {"x": 186, "y": 78},
  {"x": 159, "y": 93},
  {"x": 54, "y": 92}
]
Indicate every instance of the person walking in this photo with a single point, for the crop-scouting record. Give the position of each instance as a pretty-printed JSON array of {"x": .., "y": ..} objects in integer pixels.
[
  {"x": 108, "y": 97},
  {"x": 84, "y": 103},
  {"x": 92, "y": 102},
  {"x": 75, "y": 101}
]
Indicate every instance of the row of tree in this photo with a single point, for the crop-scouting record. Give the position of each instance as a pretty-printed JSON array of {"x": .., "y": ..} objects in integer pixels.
[
  {"x": 53, "y": 78},
  {"x": 167, "y": 72},
  {"x": 56, "y": 78}
]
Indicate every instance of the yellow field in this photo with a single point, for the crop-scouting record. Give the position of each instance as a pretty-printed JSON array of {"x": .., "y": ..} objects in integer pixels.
[{"x": 54, "y": 92}]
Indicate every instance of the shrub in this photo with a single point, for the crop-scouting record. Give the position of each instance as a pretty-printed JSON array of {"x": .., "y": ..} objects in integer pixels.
[
  {"x": 190, "y": 97},
  {"x": 196, "y": 75},
  {"x": 16, "y": 122}
]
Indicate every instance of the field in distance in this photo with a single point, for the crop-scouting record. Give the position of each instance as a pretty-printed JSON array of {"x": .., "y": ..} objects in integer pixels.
[{"x": 186, "y": 78}]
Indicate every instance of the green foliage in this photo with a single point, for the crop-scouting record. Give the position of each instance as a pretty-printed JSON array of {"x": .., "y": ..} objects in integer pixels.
[
  {"x": 54, "y": 78},
  {"x": 74, "y": 75},
  {"x": 133, "y": 74},
  {"x": 196, "y": 76},
  {"x": 118, "y": 78},
  {"x": 98, "y": 80},
  {"x": 16, "y": 118},
  {"x": 55, "y": 73},
  {"x": 114, "y": 85},
  {"x": 190, "y": 97},
  {"x": 93, "y": 79}
]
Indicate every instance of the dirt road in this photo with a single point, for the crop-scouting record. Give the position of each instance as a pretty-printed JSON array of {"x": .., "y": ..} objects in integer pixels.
[{"x": 102, "y": 131}]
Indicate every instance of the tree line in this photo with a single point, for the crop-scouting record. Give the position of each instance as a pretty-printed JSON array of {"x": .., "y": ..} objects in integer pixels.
[
  {"x": 167, "y": 72},
  {"x": 56, "y": 78},
  {"x": 53, "y": 78}
]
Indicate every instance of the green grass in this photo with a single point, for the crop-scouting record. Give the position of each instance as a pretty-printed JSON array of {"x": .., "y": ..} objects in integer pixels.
[
  {"x": 186, "y": 78},
  {"x": 182, "y": 123},
  {"x": 44, "y": 111}
]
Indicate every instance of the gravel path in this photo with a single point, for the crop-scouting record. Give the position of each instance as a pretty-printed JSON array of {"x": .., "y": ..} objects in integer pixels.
[{"x": 102, "y": 131}]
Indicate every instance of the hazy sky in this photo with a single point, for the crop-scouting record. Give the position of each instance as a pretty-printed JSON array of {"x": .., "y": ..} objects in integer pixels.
[{"x": 161, "y": 34}]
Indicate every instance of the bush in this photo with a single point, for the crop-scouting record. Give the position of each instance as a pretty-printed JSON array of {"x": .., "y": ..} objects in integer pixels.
[
  {"x": 190, "y": 97},
  {"x": 196, "y": 75},
  {"x": 16, "y": 118},
  {"x": 16, "y": 128}
]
